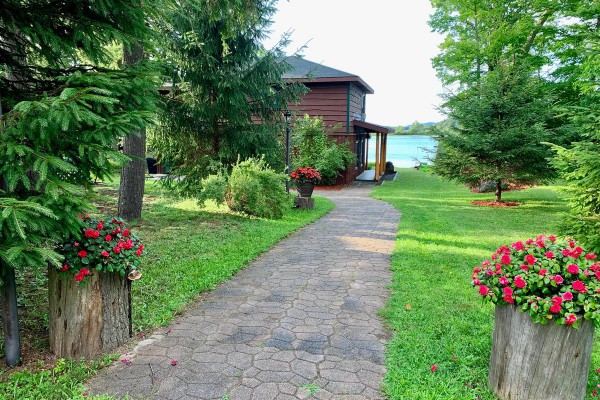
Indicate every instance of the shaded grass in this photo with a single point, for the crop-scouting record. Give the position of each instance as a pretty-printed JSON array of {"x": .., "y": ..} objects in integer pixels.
[
  {"x": 441, "y": 237},
  {"x": 191, "y": 249}
]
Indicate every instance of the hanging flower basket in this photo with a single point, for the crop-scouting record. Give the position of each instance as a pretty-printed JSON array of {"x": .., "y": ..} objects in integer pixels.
[{"x": 547, "y": 296}]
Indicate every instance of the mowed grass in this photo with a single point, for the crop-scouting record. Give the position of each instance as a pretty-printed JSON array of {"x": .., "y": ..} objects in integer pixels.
[
  {"x": 437, "y": 316},
  {"x": 191, "y": 249}
]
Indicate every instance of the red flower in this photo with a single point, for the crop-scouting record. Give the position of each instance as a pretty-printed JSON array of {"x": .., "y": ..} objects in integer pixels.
[
  {"x": 483, "y": 290},
  {"x": 105, "y": 254},
  {"x": 590, "y": 256},
  {"x": 108, "y": 238},
  {"x": 579, "y": 286},
  {"x": 529, "y": 241},
  {"x": 126, "y": 232},
  {"x": 79, "y": 277},
  {"x": 84, "y": 272},
  {"x": 505, "y": 259},
  {"x": 128, "y": 244},
  {"x": 433, "y": 368},
  {"x": 550, "y": 255},
  {"x": 552, "y": 238},
  {"x": 100, "y": 225},
  {"x": 530, "y": 259},
  {"x": 141, "y": 247},
  {"x": 558, "y": 279},
  {"x": 503, "y": 281},
  {"x": 557, "y": 300},
  {"x": 82, "y": 253},
  {"x": 65, "y": 268},
  {"x": 116, "y": 249},
  {"x": 524, "y": 267},
  {"x": 138, "y": 252},
  {"x": 509, "y": 299},
  {"x": 520, "y": 282},
  {"x": 173, "y": 362},
  {"x": 555, "y": 308},
  {"x": 518, "y": 245},
  {"x": 570, "y": 319},
  {"x": 567, "y": 296},
  {"x": 572, "y": 269},
  {"x": 507, "y": 291},
  {"x": 543, "y": 271},
  {"x": 577, "y": 252},
  {"x": 476, "y": 282}
]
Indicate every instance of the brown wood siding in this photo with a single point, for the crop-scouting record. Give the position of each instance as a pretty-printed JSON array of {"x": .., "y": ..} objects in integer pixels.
[
  {"x": 325, "y": 100},
  {"x": 356, "y": 102},
  {"x": 351, "y": 173}
]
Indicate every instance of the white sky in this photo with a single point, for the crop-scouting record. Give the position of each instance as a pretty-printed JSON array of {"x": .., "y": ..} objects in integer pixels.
[{"x": 386, "y": 42}]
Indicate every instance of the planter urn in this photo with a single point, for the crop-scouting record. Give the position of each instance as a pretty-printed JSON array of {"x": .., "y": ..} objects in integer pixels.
[{"x": 306, "y": 189}]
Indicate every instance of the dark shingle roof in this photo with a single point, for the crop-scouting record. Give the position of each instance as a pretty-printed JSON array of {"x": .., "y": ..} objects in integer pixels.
[{"x": 303, "y": 68}]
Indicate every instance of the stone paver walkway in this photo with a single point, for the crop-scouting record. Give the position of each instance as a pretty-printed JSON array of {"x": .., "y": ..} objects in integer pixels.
[{"x": 301, "y": 320}]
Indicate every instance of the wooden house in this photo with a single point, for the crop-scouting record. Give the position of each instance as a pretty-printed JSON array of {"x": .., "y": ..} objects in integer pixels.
[{"x": 340, "y": 99}]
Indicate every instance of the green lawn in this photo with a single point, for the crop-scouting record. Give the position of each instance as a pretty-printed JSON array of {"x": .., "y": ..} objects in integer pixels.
[
  {"x": 190, "y": 250},
  {"x": 437, "y": 316}
]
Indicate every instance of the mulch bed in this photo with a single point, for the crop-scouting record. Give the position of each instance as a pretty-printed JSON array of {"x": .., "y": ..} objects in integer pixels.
[
  {"x": 335, "y": 187},
  {"x": 492, "y": 203}
]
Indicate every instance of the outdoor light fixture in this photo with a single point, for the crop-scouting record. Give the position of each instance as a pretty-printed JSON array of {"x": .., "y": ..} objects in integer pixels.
[{"x": 288, "y": 118}]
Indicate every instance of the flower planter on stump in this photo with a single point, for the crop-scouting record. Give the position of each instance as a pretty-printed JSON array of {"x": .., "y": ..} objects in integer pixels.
[
  {"x": 88, "y": 319},
  {"x": 306, "y": 189},
  {"x": 531, "y": 361},
  {"x": 304, "y": 200}
]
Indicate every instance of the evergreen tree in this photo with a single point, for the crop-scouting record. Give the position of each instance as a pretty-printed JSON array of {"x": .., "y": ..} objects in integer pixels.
[
  {"x": 60, "y": 118},
  {"x": 227, "y": 90},
  {"x": 490, "y": 62}
]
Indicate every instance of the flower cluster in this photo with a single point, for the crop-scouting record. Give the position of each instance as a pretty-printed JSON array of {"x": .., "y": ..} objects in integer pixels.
[
  {"x": 305, "y": 174},
  {"x": 105, "y": 246},
  {"x": 551, "y": 279}
]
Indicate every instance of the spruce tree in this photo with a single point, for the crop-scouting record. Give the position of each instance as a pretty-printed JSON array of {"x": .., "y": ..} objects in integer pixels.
[
  {"x": 227, "y": 91},
  {"x": 60, "y": 118}
]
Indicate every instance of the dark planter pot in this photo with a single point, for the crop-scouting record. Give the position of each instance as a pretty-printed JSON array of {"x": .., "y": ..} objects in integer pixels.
[{"x": 306, "y": 189}]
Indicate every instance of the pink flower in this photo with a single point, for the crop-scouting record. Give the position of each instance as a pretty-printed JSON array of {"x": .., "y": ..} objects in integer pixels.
[
  {"x": 505, "y": 259},
  {"x": 566, "y": 253},
  {"x": 503, "y": 281},
  {"x": 494, "y": 256},
  {"x": 489, "y": 272},
  {"x": 530, "y": 259},
  {"x": 579, "y": 286},
  {"x": 567, "y": 296},
  {"x": 529, "y": 241},
  {"x": 105, "y": 253},
  {"x": 552, "y": 238},
  {"x": 520, "y": 282},
  {"x": 577, "y": 251},
  {"x": 543, "y": 271},
  {"x": 549, "y": 254},
  {"x": 555, "y": 308},
  {"x": 483, "y": 290},
  {"x": 557, "y": 300},
  {"x": 509, "y": 299},
  {"x": 433, "y": 368},
  {"x": 116, "y": 249},
  {"x": 570, "y": 319},
  {"x": 108, "y": 238},
  {"x": 507, "y": 291},
  {"x": 558, "y": 279},
  {"x": 590, "y": 256},
  {"x": 173, "y": 362},
  {"x": 524, "y": 267},
  {"x": 572, "y": 269},
  {"x": 518, "y": 245},
  {"x": 84, "y": 272},
  {"x": 476, "y": 282}
]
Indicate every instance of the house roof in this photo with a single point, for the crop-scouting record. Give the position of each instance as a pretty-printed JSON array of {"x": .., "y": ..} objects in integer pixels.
[
  {"x": 307, "y": 71},
  {"x": 370, "y": 127}
]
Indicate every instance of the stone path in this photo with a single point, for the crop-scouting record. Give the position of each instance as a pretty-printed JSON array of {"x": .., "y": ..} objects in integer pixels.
[{"x": 299, "y": 322}]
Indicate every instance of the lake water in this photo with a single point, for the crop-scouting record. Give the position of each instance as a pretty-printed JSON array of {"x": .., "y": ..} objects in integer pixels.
[{"x": 405, "y": 151}]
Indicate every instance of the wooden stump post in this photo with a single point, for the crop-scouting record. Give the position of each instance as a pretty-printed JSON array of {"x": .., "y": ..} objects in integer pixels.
[
  {"x": 304, "y": 203},
  {"x": 87, "y": 320},
  {"x": 532, "y": 361}
]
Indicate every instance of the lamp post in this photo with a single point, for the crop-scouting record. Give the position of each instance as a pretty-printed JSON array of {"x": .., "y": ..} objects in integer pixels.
[{"x": 288, "y": 117}]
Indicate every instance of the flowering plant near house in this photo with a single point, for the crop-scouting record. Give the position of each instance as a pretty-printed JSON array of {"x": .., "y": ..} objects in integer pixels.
[
  {"x": 305, "y": 175},
  {"x": 103, "y": 246},
  {"x": 553, "y": 280}
]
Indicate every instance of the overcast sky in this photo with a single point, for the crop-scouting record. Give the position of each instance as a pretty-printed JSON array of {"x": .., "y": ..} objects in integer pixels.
[{"x": 386, "y": 42}]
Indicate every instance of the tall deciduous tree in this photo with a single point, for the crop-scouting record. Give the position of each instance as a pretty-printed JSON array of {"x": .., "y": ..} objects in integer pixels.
[
  {"x": 60, "y": 119},
  {"x": 491, "y": 63},
  {"x": 227, "y": 89}
]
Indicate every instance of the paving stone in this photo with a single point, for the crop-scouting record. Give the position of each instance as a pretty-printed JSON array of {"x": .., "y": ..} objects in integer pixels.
[{"x": 293, "y": 317}]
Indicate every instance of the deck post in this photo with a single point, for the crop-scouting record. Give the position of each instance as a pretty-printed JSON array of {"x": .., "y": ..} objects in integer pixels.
[{"x": 377, "y": 155}]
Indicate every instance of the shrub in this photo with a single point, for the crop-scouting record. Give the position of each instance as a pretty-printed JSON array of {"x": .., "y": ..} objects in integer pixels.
[
  {"x": 317, "y": 149},
  {"x": 255, "y": 189}
]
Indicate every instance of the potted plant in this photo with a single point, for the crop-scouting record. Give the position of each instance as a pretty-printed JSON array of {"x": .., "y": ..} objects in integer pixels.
[
  {"x": 547, "y": 297},
  {"x": 304, "y": 179},
  {"x": 90, "y": 294}
]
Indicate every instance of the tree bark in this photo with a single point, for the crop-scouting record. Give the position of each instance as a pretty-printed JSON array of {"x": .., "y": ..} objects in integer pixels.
[
  {"x": 10, "y": 316},
  {"x": 90, "y": 319},
  {"x": 499, "y": 190},
  {"x": 133, "y": 174},
  {"x": 532, "y": 361}
]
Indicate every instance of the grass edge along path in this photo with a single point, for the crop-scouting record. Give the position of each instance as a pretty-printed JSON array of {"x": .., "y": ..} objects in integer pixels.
[
  {"x": 437, "y": 317},
  {"x": 190, "y": 251}
]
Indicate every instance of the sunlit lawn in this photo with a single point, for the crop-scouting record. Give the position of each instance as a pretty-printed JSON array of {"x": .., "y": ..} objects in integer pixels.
[{"x": 437, "y": 317}]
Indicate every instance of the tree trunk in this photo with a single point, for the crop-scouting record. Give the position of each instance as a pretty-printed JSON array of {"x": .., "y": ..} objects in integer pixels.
[
  {"x": 133, "y": 174},
  {"x": 499, "y": 190},
  {"x": 532, "y": 361},
  {"x": 10, "y": 316},
  {"x": 90, "y": 319}
]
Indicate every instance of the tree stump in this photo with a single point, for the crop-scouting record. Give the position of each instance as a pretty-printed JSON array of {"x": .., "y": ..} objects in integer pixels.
[
  {"x": 90, "y": 319},
  {"x": 304, "y": 203},
  {"x": 532, "y": 361}
]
